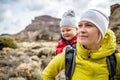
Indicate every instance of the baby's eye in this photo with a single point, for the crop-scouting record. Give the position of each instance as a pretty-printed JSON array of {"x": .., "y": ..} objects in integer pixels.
[{"x": 62, "y": 31}]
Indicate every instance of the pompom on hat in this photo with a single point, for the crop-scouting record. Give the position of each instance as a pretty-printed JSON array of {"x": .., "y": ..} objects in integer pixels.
[
  {"x": 98, "y": 18},
  {"x": 69, "y": 19}
]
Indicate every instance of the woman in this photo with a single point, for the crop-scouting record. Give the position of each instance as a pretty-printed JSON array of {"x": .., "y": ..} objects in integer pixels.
[{"x": 94, "y": 43}]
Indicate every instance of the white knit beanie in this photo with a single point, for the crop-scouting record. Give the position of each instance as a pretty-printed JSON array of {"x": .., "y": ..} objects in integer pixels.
[
  {"x": 98, "y": 18},
  {"x": 69, "y": 19}
]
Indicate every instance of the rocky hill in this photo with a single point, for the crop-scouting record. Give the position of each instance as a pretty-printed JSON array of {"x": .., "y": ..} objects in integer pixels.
[
  {"x": 42, "y": 27},
  {"x": 115, "y": 20}
]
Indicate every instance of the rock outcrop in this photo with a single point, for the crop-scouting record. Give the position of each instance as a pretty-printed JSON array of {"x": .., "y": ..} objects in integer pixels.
[
  {"x": 42, "y": 27},
  {"x": 115, "y": 20}
]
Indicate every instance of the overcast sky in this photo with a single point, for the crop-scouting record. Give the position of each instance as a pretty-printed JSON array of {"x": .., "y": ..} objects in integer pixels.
[{"x": 15, "y": 15}]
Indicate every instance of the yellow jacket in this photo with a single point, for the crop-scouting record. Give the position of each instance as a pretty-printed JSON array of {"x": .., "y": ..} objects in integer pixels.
[{"x": 87, "y": 68}]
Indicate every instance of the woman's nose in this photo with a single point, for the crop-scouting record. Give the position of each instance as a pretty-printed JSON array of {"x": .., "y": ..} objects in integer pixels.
[{"x": 82, "y": 29}]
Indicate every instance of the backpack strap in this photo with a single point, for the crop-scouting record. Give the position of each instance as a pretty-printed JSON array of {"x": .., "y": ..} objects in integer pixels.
[
  {"x": 111, "y": 61},
  {"x": 70, "y": 61}
]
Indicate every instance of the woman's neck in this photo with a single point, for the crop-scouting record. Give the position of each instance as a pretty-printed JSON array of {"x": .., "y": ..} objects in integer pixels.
[{"x": 92, "y": 47}]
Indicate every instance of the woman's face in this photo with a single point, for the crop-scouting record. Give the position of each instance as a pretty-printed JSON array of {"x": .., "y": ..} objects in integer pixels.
[
  {"x": 68, "y": 32},
  {"x": 88, "y": 33}
]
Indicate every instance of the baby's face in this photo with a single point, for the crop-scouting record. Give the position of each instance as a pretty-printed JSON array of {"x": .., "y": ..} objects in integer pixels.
[{"x": 68, "y": 32}]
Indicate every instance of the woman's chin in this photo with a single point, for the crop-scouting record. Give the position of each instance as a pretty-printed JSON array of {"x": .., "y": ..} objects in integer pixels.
[{"x": 83, "y": 42}]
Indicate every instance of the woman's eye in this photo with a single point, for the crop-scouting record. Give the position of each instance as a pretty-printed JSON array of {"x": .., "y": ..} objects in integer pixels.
[
  {"x": 80, "y": 25},
  {"x": 68, "y": 30},
  {"x": 89, "y": 25}
]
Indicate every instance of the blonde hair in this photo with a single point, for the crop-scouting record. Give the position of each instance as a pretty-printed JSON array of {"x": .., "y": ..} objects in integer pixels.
[{"x": 100, "y": 38}]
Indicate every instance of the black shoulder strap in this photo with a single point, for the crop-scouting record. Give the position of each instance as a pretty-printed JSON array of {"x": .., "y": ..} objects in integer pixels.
[
  {"x": 70, "y": 61},
  {"x": 111, "y": 61}
]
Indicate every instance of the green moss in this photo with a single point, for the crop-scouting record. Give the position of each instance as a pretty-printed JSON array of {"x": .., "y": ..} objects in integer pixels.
[
  {"x": 7, "y": 41},
  {"x": 17, "y": 78},
  {"x": 36, "y": 75}
]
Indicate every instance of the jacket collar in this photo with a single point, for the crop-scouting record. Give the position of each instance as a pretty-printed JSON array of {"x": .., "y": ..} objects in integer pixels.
[{"x": 108, "y": 46}]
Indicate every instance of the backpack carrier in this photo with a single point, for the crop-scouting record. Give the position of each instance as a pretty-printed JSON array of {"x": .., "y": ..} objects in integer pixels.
[{"x": 70, "y": 63}]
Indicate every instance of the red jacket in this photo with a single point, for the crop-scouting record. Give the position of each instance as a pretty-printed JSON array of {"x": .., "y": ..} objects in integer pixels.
[{"x": 61, "y": 44}]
